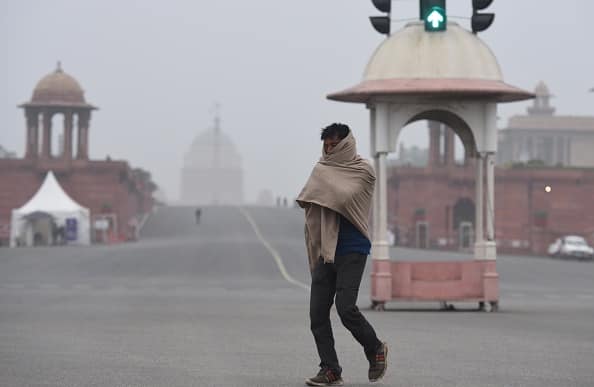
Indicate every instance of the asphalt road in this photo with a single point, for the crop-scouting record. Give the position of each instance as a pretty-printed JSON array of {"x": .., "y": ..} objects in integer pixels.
[{"x": 206, "y": 305}]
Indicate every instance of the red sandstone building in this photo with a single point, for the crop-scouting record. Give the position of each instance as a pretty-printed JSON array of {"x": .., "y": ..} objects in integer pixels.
[
  {"x": 433, "y": 206},
  {"x": 109, "y": 188}
]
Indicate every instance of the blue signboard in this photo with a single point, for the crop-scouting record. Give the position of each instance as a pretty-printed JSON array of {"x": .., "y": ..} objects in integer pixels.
[{"x": 71, "y": 229}]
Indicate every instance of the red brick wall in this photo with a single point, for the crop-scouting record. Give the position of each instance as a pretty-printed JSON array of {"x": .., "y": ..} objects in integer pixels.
[
  {"x": 93, "y": 184},
  {"x": 524, "y": 223}
]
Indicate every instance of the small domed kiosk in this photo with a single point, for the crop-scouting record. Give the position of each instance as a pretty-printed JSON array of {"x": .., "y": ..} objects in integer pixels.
[
  {"x": 453, "y": 77},
  {"x": 57, "y": 93}
]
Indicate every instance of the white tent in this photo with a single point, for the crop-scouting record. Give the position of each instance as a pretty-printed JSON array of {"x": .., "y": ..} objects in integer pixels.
[{"x": 59, "y": 211}]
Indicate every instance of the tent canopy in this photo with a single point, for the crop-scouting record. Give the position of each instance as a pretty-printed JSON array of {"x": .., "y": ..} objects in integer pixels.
[
  {"x": 51, "y": 198},
  {"x": 50, "y": 201}
]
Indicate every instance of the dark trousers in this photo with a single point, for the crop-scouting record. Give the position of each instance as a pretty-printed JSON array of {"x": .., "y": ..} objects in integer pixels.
[{"x": 341, "y": 279}]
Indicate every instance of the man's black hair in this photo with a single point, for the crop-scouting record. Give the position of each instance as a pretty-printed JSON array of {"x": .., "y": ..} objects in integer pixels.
[{"x": 335, "y": 130}]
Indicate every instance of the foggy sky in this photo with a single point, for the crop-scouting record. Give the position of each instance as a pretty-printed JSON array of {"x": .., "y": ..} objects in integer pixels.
[{"x": 155, "y": 68}]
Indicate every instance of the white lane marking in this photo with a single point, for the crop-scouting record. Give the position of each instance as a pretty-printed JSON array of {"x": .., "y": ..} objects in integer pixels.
[{"x": 272, "y": 251}]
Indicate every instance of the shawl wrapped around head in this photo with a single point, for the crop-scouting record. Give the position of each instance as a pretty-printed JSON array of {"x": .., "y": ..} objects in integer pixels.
[{"x": 341, "y": 183}]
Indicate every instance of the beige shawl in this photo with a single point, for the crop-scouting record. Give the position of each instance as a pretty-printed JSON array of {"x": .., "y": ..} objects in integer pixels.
[{"x": 341, "y": 183}]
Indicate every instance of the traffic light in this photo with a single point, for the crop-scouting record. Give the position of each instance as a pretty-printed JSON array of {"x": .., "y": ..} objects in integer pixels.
[
  {"x": 481, "y": 21},
  {"x": 382, "y": 23},
  {"x": 433, "y": 13}
]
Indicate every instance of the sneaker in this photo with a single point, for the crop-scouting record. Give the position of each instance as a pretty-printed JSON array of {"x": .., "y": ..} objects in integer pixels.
[
  {"x": 326, "y": 377},
  {"x": 378, "y": 363}
]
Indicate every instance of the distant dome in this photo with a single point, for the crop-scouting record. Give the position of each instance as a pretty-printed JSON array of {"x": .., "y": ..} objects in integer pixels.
[
  {"x": 412, "y": 61},
  {"x": 58, "y": 87},
  {"x": 212, "y": 173},
  {"x": 212, "y": 149}
]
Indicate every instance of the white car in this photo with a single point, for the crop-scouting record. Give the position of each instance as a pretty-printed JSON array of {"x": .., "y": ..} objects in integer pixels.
[{"x": 571, "y": 246}]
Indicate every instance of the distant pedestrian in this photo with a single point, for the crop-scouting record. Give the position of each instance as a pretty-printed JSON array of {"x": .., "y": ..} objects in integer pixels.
[
  {"x": 337, "y": 201},
  {"x": 198, "y": 214}
]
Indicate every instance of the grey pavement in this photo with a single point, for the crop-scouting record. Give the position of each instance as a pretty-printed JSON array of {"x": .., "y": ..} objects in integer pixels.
[{"x": 206, "y": 305}]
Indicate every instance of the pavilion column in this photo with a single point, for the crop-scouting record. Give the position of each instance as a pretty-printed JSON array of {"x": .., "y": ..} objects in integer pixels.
[
  {"x": 83, "y": 135},
  {"x": 434, "y": 143},
  {"x": 375, "y": 160},
  {"x": 479, "y": 211},
  {"x": 484, "y": 246},
  {"x": 36, "y": 144},
  {"x": 490, "y": 161},
  {"x": 449, "y": 157},
  {"x": 32, "y": 148},
  {"x": 381, "y": 242},
  {"x": 68, "y": 118},
  {"x": 380, "y": 129},
  {"x": 46, "y": 146},
  {"x": 376, "y": 207},
  {"x": 381, "y": 275}
]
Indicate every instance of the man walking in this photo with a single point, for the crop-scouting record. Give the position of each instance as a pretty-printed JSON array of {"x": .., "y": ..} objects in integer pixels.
[{"x": 337, "y": 200}]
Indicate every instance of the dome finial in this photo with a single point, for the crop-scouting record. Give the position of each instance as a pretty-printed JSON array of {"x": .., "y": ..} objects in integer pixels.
[
  {"x": 541, "y": 90},
  {"x": 217, "y": 116},
  {"x": 59, "y": 67},
  {"x": 541, "y": 104}
]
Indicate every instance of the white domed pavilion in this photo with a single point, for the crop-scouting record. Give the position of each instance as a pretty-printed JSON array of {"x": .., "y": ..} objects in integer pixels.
[
  {"x": 452, "y": 77},
  {"x": 212, "y": 173}
]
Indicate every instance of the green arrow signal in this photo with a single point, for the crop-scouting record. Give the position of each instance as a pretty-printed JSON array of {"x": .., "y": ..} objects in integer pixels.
[{"x": 436, "y": 19}]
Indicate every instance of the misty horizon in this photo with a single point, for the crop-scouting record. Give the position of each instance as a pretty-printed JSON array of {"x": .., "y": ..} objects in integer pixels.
[{"x": 155, "y": 70}]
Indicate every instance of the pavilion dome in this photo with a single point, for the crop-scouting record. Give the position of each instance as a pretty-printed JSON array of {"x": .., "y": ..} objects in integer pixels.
[
  {"x": 212, "y": 149},
  {"x": 58, "y": 88},
  {"x": 450, "y": 63},
  {"x": 455, "y": 53}
]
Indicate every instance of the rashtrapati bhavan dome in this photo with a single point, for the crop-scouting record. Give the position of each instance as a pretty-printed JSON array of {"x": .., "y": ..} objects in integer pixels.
[{"x": 212, "y": 173}]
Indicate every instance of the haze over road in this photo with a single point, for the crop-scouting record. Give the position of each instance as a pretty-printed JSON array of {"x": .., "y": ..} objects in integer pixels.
[{"x": 206, "y": 305}]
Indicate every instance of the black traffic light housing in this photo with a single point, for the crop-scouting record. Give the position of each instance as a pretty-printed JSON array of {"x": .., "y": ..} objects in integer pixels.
[
  {"x": 481, "y": 21},
  {"x": 382, "y": 23}
]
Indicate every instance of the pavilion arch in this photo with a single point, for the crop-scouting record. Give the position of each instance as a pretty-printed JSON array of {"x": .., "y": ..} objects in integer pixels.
[
  {"x": 472, "y": 121},
  {"x": 475, "y": 123},
  {"x": 454, "y": 122}
]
